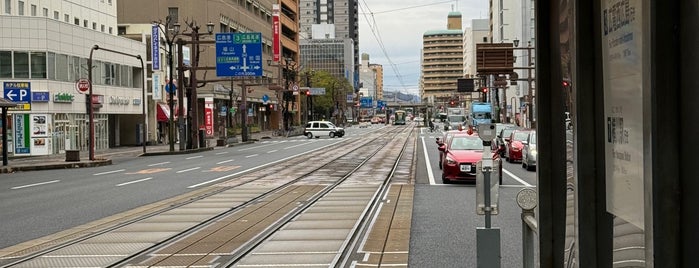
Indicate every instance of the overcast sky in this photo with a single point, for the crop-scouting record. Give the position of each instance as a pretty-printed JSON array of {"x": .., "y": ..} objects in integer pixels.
[{"x": 400, "y": 25}]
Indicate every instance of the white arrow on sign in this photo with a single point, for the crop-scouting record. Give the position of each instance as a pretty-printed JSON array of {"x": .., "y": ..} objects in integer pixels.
[{"x": 11, "y": 95}]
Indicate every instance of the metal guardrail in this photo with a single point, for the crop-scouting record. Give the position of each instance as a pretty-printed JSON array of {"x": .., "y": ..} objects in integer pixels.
[{"x": 527, "y": 200}]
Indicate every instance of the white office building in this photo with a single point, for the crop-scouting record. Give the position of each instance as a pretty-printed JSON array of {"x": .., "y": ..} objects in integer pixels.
[{"x": 44, "y": 49}]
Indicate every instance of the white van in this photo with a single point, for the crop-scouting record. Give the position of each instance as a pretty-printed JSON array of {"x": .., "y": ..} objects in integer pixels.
[{"x": 322, "y": 128}]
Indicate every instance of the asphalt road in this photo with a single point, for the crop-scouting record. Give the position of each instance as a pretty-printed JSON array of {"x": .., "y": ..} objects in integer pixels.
[
  {"x": 443, "y": 232},
  {"x": 39, "y": 203}
]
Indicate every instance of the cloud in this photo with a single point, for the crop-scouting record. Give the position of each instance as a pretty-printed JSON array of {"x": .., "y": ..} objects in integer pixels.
[{"x": 400, "y": 24}]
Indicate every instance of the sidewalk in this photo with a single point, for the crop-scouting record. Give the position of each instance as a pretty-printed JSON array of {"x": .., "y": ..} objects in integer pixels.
[{"x": 104, "y": 157}]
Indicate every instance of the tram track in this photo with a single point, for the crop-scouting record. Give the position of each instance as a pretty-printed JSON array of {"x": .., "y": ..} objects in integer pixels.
[{"x": 286, "y": 175}]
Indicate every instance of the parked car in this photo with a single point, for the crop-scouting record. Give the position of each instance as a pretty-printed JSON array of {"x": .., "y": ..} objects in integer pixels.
[
  {"x": 529, "y": 152},
  {"x": 322, "y": 128},
  {"x": 461, "y": 156},
  {"x": 513, "y": 152}
]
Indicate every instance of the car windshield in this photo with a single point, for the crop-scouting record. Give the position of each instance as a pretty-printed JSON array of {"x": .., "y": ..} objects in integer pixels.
[
  {"x": 506, "y": 132},
  {"x": 521, "y": 136},
  {"x": 466, "y": 143},
  {"x": 330, "y": 124}
]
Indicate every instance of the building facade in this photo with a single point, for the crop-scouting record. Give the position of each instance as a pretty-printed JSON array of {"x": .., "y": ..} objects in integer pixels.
[
  {"x": 442, "y": 61},
  {"x": 343, "y": 14},
  {"x": 46, "y": 48},
  {"x": 224, "y": 92}
]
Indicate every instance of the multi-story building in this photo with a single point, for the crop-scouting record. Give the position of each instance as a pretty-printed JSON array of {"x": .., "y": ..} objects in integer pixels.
[
  {"x": 45, "y": 49},
  {"x": 442, "y": 61},
  {"x": 343, "y": 14},
  {"x": 228, "y": 16},
  {"x": 477, "y": 33},
  {"x": 378, "y": 69}
]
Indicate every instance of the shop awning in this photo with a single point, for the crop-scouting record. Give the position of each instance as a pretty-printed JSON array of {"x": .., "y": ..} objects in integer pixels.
[{"x": 163, "y": 112}]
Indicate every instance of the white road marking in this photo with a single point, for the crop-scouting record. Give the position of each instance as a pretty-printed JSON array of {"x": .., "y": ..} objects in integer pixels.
[
  {"x": 193, "y": 157},
  {"x": 297, "y": 145},
  {"x": 517, "y": 178},
  {"x": 272, "y": 151},
  {"x": 250, "y": 148},
  {"x": 35, "y": 184},
  {"x": 108, "y": 172},
  {"x": 427, "y": 162},
  {"x": 225, "y": 161},
  {"x": 252, "y": 155},
  {"x": 131, "y": 182},
  {"x": 159, "y": 164},
  {"x": 221, "y": 153},
  {"x": 186, "y": 170}
]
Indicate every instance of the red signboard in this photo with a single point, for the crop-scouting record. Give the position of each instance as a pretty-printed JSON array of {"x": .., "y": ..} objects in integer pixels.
[
  {"x": 209, "y": 117},
  {"x": 276, "y": 46},
  {"x": 82, "y": 85}
]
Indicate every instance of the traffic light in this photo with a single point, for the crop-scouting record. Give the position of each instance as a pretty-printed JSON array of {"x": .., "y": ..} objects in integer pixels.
[
  {"x": 308, "y": 93},
  {"x": 485, "y": 90},
  {"x": 451, "y": 103}
]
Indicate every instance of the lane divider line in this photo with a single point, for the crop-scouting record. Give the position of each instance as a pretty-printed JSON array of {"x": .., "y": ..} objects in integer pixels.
[
  {"x": 186, "y": 170},
  {"x": 159, "y": 164},
  {"x": 517, "y": 178},
  {"x": 430, "y": 175},
  {"x": 108, "y": 172},
  {"x": 131, "y": 182},
  {"x": 225, "y": 161},
  {"x": 35, "y": 184},
  {"x": 193, "y": 157}
]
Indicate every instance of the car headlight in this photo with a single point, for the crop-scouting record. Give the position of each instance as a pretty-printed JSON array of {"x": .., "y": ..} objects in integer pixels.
[
  {"x": 450, "y": 161},
  {"x": 533, "y": 153}
]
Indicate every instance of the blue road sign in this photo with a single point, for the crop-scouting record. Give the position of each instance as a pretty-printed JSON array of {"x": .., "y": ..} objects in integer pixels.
[
  {"x": 238, "y": 54},
  {"x": 265, "y": 98},
  {"x": 18, "y": 92},
  {"x": 155, "y": 47},
  {"x": 167, "y": 88}
]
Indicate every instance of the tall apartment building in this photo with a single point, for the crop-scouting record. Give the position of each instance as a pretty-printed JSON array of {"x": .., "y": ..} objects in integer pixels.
[
  {"x": 442, "y": 61},
  {"x": 45, "y": 50},
  {"x": 378, "y": 69},
  {"x": 344, "y": 14},
  {"x": 227, "y": 16}
]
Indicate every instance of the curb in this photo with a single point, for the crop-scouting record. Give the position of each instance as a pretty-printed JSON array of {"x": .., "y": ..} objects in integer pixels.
[{"x": 96, "y": 163}]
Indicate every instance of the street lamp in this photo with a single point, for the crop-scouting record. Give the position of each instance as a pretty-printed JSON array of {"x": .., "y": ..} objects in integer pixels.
[{"x": 530, "y": 92}]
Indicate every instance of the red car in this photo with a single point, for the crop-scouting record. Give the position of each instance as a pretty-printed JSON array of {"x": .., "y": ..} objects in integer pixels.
[
  {"x": 441, "y": 143},
  {"x": 461, "y": 155},
  {"x": 513, "y": 152}
]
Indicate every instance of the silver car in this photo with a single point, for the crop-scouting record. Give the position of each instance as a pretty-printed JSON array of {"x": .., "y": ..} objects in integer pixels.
[{"x": 529, "y": 152}]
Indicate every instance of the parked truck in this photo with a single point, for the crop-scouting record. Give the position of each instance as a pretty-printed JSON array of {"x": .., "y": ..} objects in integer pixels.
[{"x": 481, "y": 113}]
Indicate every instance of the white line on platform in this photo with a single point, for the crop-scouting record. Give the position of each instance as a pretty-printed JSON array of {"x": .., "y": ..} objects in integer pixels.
[
  {"x": 108, "y": 172},
  {"x": 35, "y": 184},
  {"x": 193, "y": 157},
  {"x": 130, "y": 182}
]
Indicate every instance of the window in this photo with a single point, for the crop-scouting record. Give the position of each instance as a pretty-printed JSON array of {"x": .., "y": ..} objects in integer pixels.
[
  {"x": 21, "y": 64},
  {"x": 38, "y": 64},
  {"x": 173, "y": 12},
  {"x": 66, "y": 18},
  {"x": 102, "y": 28},
  {"x": 110, "y": 2},
  {"x": 85, "y": 23},
  {"x": 62, "y": 68},
  {"x": 76, "y": 68},
  {"x": 5, "y": 64},
  {"x": 33, "y": 10},
  {"x": 77, "y": 21},
  {"x": 51, "y": 66},
  {"x": 8, "y": 7},
  {"x": 111, "y": 30},
  {"x": 55, "y": 15},
  {"x": 20, "y": 8},
  {"x": 94, "y": 25},
  {"x": 45, "y": 12}
]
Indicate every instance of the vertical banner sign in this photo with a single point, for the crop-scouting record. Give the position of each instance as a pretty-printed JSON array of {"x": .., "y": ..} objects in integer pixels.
[
  {"x": 155, "y": 47},
  {"x": 275, "y": 33},
  {"x": 21, "y": 140},
  {"x": 157, "y": 92},
  {"x": 623, "y": 62},
  {"x": 209, "y": 117}
]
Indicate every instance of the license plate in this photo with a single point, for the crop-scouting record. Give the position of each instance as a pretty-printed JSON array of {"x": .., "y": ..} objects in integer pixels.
[{"x": 465, "y": 168}]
